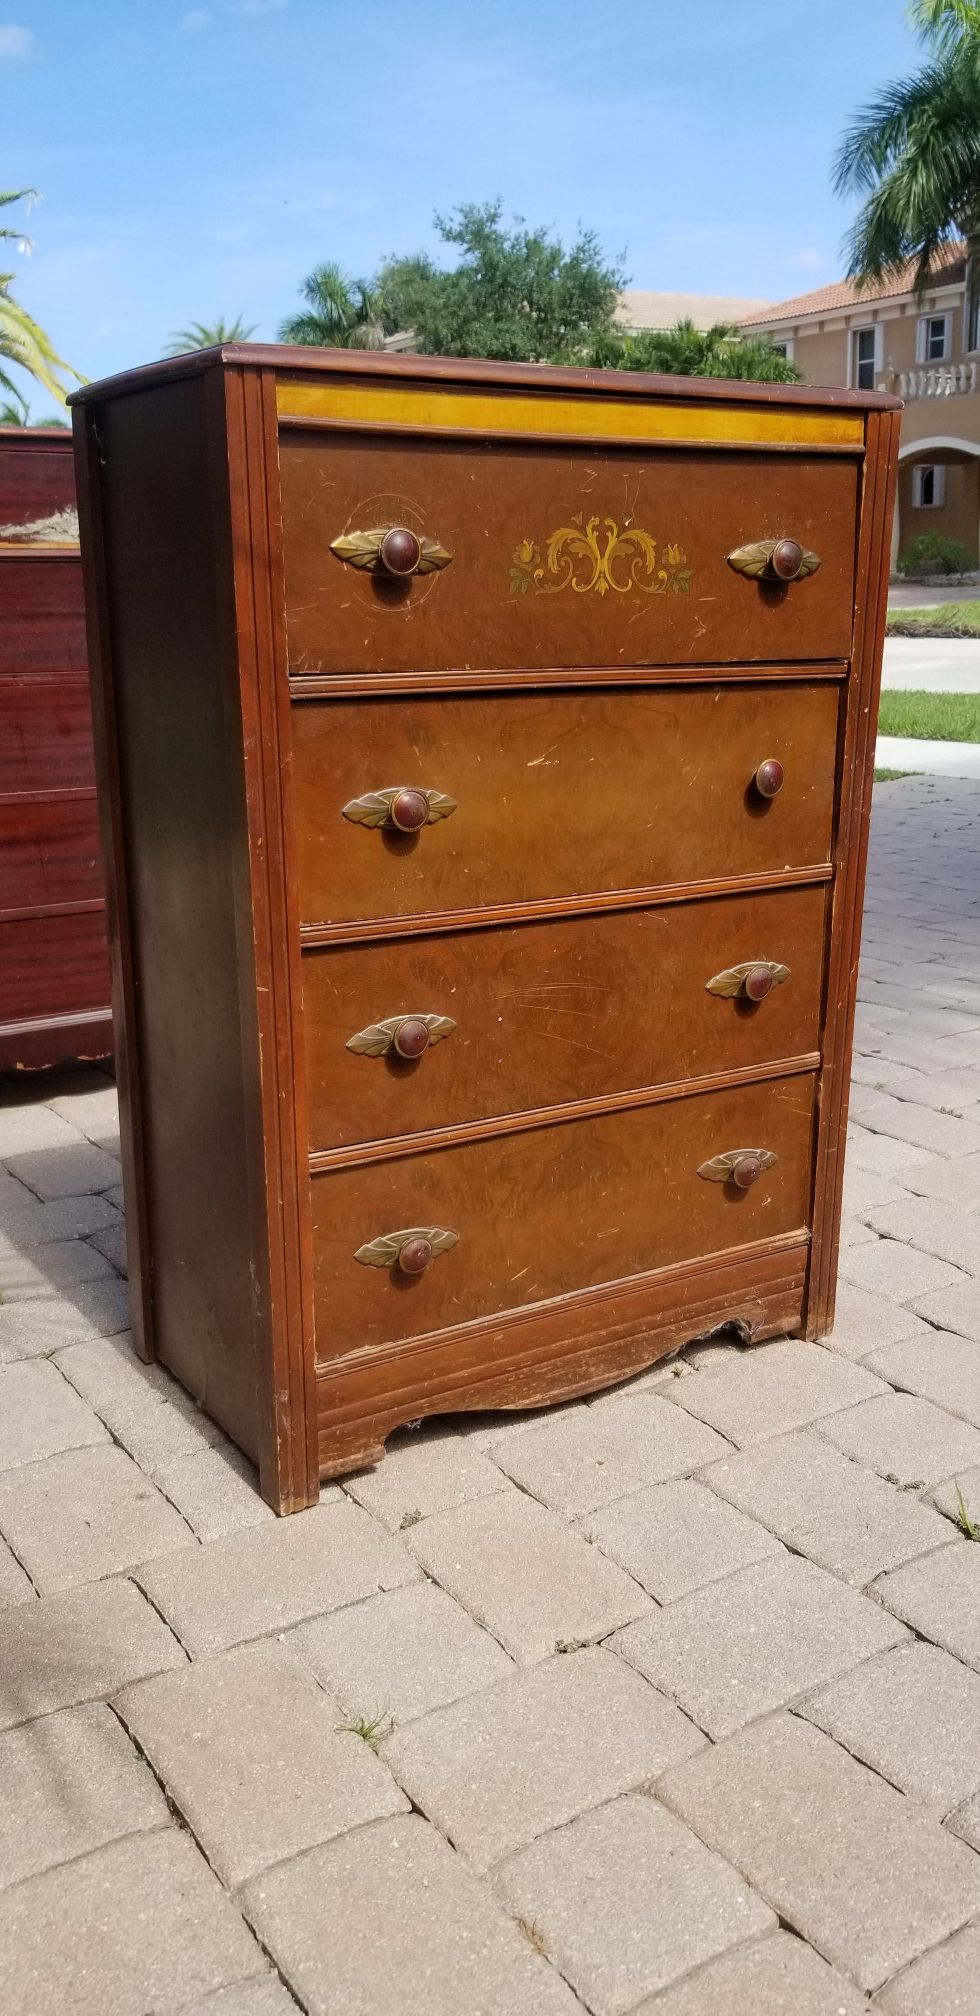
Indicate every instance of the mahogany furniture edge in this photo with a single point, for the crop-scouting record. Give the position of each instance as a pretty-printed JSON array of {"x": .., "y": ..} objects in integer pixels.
[{"x": 856, "y": 775}]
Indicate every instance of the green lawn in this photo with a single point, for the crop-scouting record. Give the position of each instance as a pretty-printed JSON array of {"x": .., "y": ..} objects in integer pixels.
[
  {"x": 953, "y": 619},
  {"x": 931, "y": 717}
]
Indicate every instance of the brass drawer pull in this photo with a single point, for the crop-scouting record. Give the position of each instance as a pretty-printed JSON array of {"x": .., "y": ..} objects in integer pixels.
[
  {"x": 409, "y": 1251},
  {"x": 401, "y": 806},
  {"x": 774, "y": 560},
  {"x": 741, "y": 1166},
  {"x": 391, "y": 550},
  {"x": 407, "y": 1035},
  {"x": 753, "y": 980}
]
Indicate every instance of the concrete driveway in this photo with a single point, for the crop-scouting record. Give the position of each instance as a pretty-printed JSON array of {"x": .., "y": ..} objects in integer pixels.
[{"x": 932, "y": 664}]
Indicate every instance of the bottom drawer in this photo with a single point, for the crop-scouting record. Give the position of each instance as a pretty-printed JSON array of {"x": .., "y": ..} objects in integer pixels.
[
  {"x": 53, "y": 965},
  {"x": 549, "y": 1211}
]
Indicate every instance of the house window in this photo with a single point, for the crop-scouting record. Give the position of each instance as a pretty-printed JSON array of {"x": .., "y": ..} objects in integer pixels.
[
  {"x": 933, "y": 344},
  {"x": 864, "y": 356},
  {"x": 782, "y": 345},
  {"x": 928, "y": 485}
]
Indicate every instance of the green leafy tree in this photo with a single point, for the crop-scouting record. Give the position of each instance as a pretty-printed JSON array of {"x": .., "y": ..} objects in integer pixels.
[
  {"x": 340, "y": 313},
  {"x": 208, "y": 335},
  {"x": 685, "y": 351},
  {"x": 22, "y": 340},
  {"x": 913, "y": 153},
  {"x": 513, "y": 292}
]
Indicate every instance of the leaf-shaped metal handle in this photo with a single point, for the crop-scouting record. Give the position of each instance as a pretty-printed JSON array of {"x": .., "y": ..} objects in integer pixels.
[
  {"x": 407, "y": 1035},
  {"x": 774, "y": 560},
  {"x": 741, "y": 1166},
  {"x": 409, "y": 1251},
  {"x": 392, "y": 550},
  {"x": 753, "y": 980},
  {"x": 402, "y": 806}
]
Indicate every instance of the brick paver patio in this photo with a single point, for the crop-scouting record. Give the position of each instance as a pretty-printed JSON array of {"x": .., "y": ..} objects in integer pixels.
[{"x": 664, "y": 1703}]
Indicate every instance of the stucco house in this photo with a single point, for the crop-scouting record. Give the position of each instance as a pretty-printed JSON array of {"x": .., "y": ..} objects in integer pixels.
[{"x": 927, "y": 350}]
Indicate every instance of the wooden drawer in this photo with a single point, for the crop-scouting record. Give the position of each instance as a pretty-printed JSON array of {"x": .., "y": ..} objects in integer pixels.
[
  {"x": 45, "y": 735},
  {"x": 547, "y": 1211},
  {"x": 561, "y": 558},
  {"x": 49, "y": 851},
  {"x": 575, "y": 1008},
  {"x": 51, "y": 966},
  {"x": 559, "y": 795},
  {"x": 42, "y": 617}
]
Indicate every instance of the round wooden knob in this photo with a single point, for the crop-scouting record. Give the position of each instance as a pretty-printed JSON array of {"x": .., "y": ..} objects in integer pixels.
[
  {"x": 414, "y": 1256},
  {"x": 411, "y": 1037},
  {"x": 786, "y": 559},
  {"x": 400, "y": 551},
  {"x": 746, "y": 1172},
  {"x": 757, "y": 983},
  {"x": 769, "y": 777},
  {"x": 410, "y": 809}
]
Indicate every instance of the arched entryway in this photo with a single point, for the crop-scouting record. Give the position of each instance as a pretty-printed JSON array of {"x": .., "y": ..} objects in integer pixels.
[{"x": 946, "y": 501}]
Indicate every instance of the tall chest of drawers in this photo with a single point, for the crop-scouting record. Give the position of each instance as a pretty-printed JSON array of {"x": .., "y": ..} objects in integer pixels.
[{"x": 485, "y": 768}]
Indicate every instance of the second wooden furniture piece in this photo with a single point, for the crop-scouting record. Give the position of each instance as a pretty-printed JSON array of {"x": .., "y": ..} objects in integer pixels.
[
  {"x": 486, "y": 763},
  {"x": 54, "y": 962}
]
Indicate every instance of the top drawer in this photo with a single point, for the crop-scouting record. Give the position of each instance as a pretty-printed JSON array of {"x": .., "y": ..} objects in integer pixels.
[{"x": 560, "y": 557}]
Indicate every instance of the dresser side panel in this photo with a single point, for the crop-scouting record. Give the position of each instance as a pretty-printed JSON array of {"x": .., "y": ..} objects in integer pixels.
[{"x": 168, "y": 719}]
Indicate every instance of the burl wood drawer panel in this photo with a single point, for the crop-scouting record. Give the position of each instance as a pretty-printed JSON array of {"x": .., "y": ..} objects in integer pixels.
[
  {"x": 574, "y": 1008},
  {"x": 558, "y": 794},
  {"x": 49, "y": 850},
  {"x": 544, "y": 1212},
  {"x": 561, "y": 556},
  {"x": 46, "y": 735}
]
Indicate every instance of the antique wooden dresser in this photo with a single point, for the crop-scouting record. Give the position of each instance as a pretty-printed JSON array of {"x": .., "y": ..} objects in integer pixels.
[
  {"x": 486, "y": 762},
  {"x": 54, "y": 963}
]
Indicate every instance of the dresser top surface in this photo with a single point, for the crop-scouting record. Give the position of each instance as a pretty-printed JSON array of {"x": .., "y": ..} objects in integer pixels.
[{"x": 404, "y": 370}]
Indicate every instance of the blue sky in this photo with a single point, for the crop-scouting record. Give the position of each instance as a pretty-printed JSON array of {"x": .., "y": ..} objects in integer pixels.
[{"x": 197, "y": 159}]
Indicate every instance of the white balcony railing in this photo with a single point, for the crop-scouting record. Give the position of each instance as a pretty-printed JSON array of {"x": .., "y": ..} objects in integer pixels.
[{"x": 937, "y": 381}]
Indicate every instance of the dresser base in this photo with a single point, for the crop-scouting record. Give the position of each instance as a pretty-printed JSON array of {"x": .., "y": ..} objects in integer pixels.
[{"x": 557, "y": 1350}]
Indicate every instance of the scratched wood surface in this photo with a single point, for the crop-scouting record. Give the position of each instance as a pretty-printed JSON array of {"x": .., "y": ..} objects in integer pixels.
[{"x": 608, "y": 852}]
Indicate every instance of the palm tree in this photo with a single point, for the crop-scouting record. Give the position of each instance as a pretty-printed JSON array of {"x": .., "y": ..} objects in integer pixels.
[
  {"x": 914, "y": 154},
  {"x": 341, "y": 313},
  {"x": 723, "y": 351},
  {"x": 13, "y": 410},
  {"x": 209, "y": 336},
  {"x": 22, "y": 340}
]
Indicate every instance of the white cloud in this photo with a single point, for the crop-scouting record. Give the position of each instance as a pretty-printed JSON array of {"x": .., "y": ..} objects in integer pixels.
[
  {"x": 197, "y": 18},
  {"x": 15, "y": 42}
]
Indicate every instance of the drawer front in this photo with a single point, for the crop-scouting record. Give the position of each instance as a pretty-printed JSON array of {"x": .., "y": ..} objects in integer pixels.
[
  {"x": 575, "y": 1008},
  {"x": 49, "y": 852},
  {"x": 559, "y": 795},
  {"x": 561, "y": 557},
  {"x": 53, "y": 966},
  {"x": 42, "y": 617},
  {"x": 37, "y": 479},
  {"x": 546, "y": 1212},
  {"x": 45, "y": 735}
]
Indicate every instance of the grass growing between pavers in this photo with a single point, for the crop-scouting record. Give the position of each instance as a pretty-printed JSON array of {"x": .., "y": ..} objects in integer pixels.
[
  {"x": 889, "y": 776},
  {"x": 952, "y": 619},
  {"x": 931, "y": 717}
]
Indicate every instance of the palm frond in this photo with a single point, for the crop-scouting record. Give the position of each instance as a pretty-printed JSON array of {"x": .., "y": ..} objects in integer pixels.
[
  {"x": 209, "y": 336},
  {"x": 24, "y": 342}
]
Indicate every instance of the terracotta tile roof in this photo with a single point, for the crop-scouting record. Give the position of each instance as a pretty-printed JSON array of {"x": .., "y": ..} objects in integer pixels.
[
  {"x": 947, "y": 269},
  {"x": 637, "y": 308}
]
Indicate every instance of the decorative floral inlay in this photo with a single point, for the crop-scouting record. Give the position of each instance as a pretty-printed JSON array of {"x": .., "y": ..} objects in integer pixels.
[{"x": 596, "y": 555}]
